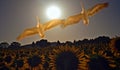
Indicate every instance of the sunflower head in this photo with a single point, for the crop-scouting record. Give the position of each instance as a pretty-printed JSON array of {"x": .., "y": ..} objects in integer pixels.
[
  {"x": 19, "y": 63},
  {"x": 67, "y": 58},
  {"x": 115, "y": 44},
  {"x": 66, "y": 61},
  {"x": 34, "y": 61},
  {"x": 99, "y": 61},
  {"x": 8, "y": 59},
  {"x": 117, "y": 62}
]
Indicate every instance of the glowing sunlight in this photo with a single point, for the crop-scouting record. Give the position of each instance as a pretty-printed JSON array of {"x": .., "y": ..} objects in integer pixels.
[{"x": 53, "y": 12}]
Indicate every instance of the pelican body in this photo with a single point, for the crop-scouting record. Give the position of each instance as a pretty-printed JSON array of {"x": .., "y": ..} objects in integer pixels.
[
  {"x": 40, "y": 28},
  {"x": 84, "y": 14}
]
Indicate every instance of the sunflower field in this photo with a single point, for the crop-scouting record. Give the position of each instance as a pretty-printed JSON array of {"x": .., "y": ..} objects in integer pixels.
[{"x": 97, "y": 54}]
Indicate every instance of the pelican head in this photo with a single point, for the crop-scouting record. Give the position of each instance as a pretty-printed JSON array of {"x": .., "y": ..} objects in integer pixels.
[{"x": 84, "y": 14}]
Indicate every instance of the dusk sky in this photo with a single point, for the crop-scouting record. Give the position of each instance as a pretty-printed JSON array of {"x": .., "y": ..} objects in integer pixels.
[{"x": 17, "y": 15}]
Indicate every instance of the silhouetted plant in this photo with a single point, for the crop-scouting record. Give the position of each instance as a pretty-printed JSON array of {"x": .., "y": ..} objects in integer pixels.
[
  {"x": 1, "y": 62},
  {"x": 98, "y": 63},
  {"x": 34, "y": 61},
  {"x": 115, "y": 44},
  {"x": 27, "y": 69},
  {"x": 4, "y": 68},
  {"x": 108, "y": 53},
  {"x": 66, "y": 61},
  {"x": 117, "y": 62},
  {"x": 15, "y": 45},
  {"x": 8, "y": 59},
  {"x": 19, "y": 63},
  {"x": 42, "y": 43},
  {"x": 4, "y": 45},
  {"x": 46, "y": 65}
]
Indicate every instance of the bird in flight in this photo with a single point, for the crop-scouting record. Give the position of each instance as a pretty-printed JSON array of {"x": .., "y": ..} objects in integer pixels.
[
  {"x": 84, "y": 14},
  {"x": 40, "y": 28}
]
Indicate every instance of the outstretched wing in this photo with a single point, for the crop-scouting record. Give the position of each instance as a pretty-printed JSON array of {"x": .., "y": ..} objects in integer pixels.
[
  {"x": 53, "y": 23},
  {"x": 72, "y": 20},
  {"x": 96, "y": 8},
  {"x": 28, "y": 32}
]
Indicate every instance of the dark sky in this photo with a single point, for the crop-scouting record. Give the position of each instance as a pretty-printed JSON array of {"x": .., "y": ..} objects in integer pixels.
[{"x": 17, "y": 15}]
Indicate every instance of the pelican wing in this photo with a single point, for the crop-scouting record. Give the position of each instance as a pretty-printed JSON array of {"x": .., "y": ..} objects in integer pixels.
[
  {"x": 52, "y": 23},
  {"x": 72, "y": 20},
  {"x": 96, "y": 8},
  {"x": 28, "y": 32}
]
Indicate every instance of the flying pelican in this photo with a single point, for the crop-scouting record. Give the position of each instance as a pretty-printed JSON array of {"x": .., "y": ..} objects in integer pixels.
[
  {"x": 40, "y": 28},
  {"x": 84, "y": 14}
]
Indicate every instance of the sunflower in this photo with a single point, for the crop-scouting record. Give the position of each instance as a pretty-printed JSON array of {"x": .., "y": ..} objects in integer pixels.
[
  {"x": 117, "y": 62},
  {"x": 115, "y": 44},
  {"x": 1, "y": 62},
  {"x": 8, "y": 60},
  {"x": 36, "y": 62},
  {"x": 67, "y": 58},
  {"x": 46, "y": 64},
  {"x": 99, "y": 61},
  {"x": 4, "y": 68}
]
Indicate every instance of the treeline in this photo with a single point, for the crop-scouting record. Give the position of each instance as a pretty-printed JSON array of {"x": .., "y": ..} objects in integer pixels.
[{"x": 45, "y": 43}]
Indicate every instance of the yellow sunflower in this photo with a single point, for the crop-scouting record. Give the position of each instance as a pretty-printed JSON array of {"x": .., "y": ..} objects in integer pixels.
[
  {"x": 67, "y": 58},
  {"x": 35, "y": 62},
  {"x": 8, "y": 60},
  {"x": 115, "y": 44},
  {"x": 100, "y": 61}
]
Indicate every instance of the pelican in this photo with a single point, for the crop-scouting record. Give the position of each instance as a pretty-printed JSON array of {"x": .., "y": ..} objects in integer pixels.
[
  {"x": 40, "y": 28},
  {"x": 84, "y": 14}
]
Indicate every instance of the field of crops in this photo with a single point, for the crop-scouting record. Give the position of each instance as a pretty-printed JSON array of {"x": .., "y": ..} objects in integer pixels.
[{"x": 78, "y": 56}]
